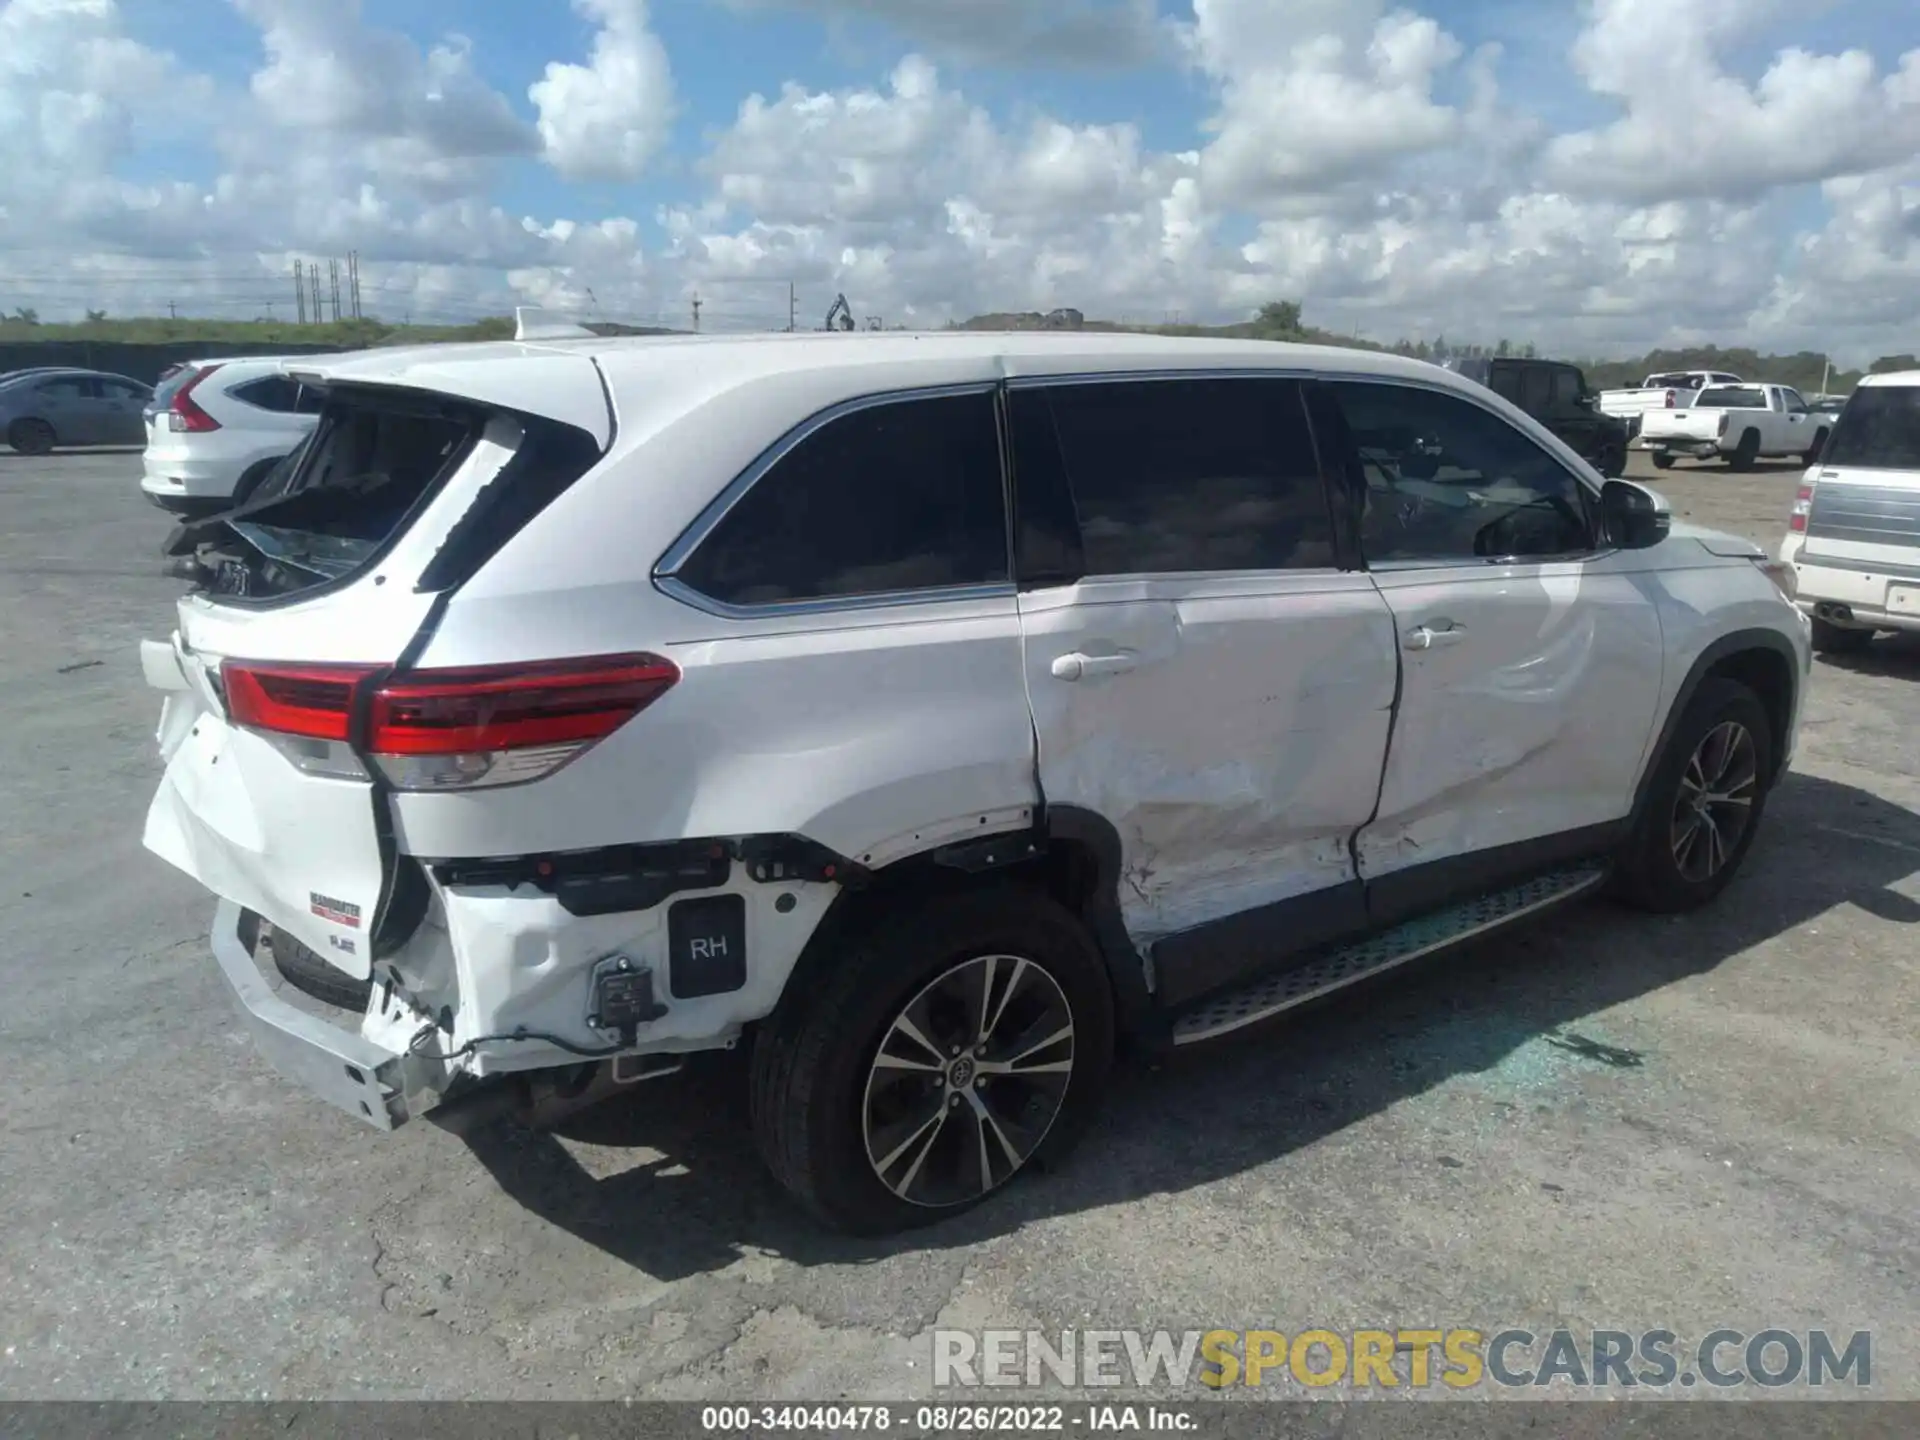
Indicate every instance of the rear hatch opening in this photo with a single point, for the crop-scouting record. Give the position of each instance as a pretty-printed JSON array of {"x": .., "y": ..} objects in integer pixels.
[{"x": 349, "y": 488}]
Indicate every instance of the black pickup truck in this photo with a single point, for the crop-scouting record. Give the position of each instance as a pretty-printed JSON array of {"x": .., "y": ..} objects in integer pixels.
[{"x": 1556, "y": 394}]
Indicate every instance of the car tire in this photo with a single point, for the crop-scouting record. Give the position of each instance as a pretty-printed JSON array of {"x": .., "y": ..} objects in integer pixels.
[
  {"x": 1746, "y": 452},
  {"x": 30, "y": 437},
  {"x": 1662, "y": 461},
  {"x": 1831, "y": 639},
  {"x": 310, "y": 975},
  {"x": 1725, "y": 740},
  {"x": 874, "y": 1132}
]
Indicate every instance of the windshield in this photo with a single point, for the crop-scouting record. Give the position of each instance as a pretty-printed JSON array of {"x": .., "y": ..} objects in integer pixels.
[
  {"x": 1879, "y": 429},
  {"x": 1728, "y": 398}
]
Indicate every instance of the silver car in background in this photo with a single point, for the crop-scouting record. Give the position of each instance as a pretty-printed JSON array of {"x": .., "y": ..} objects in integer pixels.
[{"x": 72, "y": 407}]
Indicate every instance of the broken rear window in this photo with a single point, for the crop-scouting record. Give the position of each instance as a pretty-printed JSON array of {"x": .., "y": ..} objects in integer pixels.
[{"x": 349, "y": 489}]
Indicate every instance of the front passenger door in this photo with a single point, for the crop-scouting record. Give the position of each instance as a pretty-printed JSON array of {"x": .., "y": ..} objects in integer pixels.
[{"x": 1530, "y": 662}]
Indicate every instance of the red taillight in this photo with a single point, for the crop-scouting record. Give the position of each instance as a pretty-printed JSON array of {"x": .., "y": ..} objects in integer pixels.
[
  {"x": 444, "y": 729},
  {"x": 311, "y": 701},
  {"x": 452, "y": 712},
  {"x": 187, "y": 415},
  {"x": 1802, "y": 507}
]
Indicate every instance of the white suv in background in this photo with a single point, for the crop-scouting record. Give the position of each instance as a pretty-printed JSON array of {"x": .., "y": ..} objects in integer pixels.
[
  {"x": 215, "y": 428},
  {"x": 1854, "y": 539},
  {"x": 929, "y": 714}
]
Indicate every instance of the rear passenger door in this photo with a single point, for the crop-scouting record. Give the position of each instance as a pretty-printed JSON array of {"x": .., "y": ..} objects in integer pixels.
[
  {"x": 1205, "y": 673},
  {"x": 1530, "y": 662}
]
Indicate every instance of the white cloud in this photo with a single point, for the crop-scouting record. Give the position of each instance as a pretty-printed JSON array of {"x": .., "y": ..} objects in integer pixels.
[
  {"x": 607, "y": 119},
  {"x": 76, "y": 97},
  {"x": 331, "y": 77},
  {"x": 1348, "y": 154},
  {"x": 1691, "y": 127},
  {"x": 1316, "y": 95},
  {"x": 933, "y": 209}
]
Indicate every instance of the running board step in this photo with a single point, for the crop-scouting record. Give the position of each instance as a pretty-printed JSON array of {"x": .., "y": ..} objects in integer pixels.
[{"x": 1361, "y": 959}]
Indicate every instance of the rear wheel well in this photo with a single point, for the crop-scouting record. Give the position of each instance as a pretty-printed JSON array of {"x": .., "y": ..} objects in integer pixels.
[
  {"x": 1067, "y": 871},
  {"x": 1764, "y": 671}
]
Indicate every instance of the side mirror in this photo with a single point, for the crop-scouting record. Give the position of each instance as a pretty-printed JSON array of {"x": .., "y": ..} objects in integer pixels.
[{"x": 1636, "y": 518}]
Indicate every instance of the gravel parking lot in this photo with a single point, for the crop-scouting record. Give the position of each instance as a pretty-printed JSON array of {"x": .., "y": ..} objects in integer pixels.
[{"x": 1610, "y": 1121}]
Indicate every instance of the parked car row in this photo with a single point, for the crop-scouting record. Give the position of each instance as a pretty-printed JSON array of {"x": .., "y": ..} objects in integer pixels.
[
  {"x": 1670, "y": 390},
  {"x": 1738, "y": 423},
  {"x": 925, "y": 716}
]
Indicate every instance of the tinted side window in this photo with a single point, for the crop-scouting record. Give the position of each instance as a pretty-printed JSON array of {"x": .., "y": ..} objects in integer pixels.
[
  {"x": 1566, "y": 388},
  {"x": 1506, "y": 383},
  {"x": 1447, "y": 480},
  {"x": 269, "y": 392},
  {"x": 1879, "y": 429},
  {"x": 898, "y": 496},
  {"x": 309, "y": 401},
  {"x": 123, "y": 390},
  {"x": 63, "y": 390},
  {"x": 1172, "y": 476}
]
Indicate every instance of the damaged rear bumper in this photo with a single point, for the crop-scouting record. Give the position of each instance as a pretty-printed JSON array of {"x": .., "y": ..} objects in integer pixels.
[{"x": 383, "y": 1088}]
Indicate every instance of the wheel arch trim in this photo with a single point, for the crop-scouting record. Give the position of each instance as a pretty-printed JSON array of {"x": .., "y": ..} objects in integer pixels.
[{"x": 1735, "y": 642}]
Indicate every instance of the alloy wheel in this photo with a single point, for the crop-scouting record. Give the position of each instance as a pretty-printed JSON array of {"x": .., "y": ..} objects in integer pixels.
[
  {"x": 1715, "y": 803},
  {"x": 968, "y": 1080}
]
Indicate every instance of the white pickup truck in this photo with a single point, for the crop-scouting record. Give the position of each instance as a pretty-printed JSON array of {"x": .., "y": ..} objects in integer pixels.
[
  {"x": 1740, "y": 423},
  {"x": 1667, "y": 390}
]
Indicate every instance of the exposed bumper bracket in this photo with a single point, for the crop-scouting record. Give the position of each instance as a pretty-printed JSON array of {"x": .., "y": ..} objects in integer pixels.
[{"x": 348, "y": 1071}]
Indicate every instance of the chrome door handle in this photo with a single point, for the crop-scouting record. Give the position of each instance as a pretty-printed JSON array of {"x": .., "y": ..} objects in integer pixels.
[
  {"x": 1423, "y": 637},
  {"x": 1076, "y": 666}
]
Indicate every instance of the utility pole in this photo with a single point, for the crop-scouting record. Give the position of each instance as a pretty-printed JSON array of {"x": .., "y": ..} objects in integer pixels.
[
  {"x": 793, "y": 308},
  {"x": 299, "y": 293},
  {"x": 313, "y": 282},
  {"x": 696, "y": 314},
  {"x": 333, "y": 283},
  {"x": 353, "y": 281}
]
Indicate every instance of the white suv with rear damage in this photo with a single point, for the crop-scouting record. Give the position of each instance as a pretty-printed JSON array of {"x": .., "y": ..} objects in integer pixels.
[
  {"x": 930, "y": 714},
  {"x": 1854, "y": 538}
]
